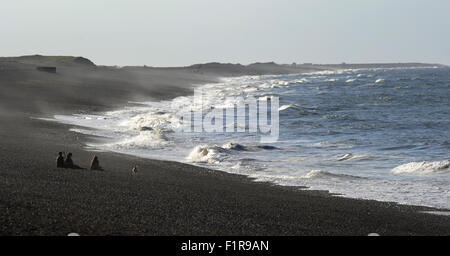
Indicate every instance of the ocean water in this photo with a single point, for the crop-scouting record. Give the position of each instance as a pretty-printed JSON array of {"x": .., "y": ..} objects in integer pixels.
[{"x": 380, "y": 134}]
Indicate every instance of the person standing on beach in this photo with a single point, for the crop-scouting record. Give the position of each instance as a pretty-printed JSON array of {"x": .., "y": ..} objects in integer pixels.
[{"x": 60, "y": 160}]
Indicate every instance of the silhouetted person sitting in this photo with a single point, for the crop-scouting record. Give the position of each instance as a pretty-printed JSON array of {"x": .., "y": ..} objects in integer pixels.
[
  {"x": 95, "y": 164},
  {"x": 60, "y": 160},
  {"x": 68, "y": 163}
]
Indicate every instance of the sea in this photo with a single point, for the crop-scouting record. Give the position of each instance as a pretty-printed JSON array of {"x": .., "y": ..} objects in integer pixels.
[{"x": 381, "y": 134}]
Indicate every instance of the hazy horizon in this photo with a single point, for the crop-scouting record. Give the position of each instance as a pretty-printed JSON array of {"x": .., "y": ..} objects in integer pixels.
[{"x": 181, "y": 32}]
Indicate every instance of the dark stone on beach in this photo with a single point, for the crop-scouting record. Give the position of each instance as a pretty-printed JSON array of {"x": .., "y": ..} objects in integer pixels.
[{"x": 267, "y": 147}]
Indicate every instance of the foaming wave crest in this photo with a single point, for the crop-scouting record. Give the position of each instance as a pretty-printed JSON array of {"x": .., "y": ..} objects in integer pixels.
[
  {"x": 350, "y": 156},
  {"x": 318, "y": 174},
  {"x": 234, "y": 146},
  {"x": 157, "y": 120},
  {"x": 423, "y": 168},
  {"x": 340, "y": 130},
  {"x": 290, "y": 106}
]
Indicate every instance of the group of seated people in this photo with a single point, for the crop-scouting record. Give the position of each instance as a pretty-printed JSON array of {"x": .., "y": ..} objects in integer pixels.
[{"x": 63, "y": 161}]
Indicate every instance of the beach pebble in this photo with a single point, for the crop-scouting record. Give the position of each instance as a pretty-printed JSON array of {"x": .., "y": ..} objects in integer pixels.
[
  {"x": 73, "y": 234},
  {"x": 373, "y": 234}
]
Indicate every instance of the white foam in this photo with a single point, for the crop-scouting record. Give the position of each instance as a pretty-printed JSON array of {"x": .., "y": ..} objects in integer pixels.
[
  {"x": 442, "y": 213},
  {"x": 151, "y": 130},
  {"x": 319, "y": 174},
  {"x": 325, "y": 144},
  {"x": 234, "y": 146},
  {"x": 289, "y": 106},
  {"x": 345, "y": 157},
  {"x": 423, "y": 168},
  {"x": 144, "y": 140}
]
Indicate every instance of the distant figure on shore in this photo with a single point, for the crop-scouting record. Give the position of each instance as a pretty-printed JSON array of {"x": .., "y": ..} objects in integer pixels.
[
  {"x": 68, "y": 163},
  {"x": 134, "y": 171},
  {"x": 60, "y": 160},
  {"x": 95, "y": 164}
]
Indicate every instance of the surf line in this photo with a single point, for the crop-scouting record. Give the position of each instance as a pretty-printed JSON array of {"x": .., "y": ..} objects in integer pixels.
[{"x": 261, "y": 114}]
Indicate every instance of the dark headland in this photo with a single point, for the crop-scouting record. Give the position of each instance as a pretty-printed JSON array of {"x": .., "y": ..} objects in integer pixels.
[{"x": 165, "y": 198}]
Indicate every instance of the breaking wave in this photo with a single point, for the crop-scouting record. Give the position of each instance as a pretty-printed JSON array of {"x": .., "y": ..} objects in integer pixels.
[
  {"x": 145, "y": 140},
  {"x": 234, "y": 146},
  {"x": 332, "y": 124},
  {"x": 218, "y": 154},
  {"x": 207, "y": 154},
  {"x": 318, "y": 174}
]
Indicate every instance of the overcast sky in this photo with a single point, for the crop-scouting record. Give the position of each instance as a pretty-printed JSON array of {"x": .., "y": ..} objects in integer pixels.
[{"x": 183, "y": 32}]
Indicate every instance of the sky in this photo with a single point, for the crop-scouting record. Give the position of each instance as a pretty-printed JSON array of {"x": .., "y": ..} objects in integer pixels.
[{"x": 184, "y": 32}]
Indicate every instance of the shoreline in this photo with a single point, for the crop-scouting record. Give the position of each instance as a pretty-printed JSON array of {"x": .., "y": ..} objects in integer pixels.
[
  {"x": 165, "y": 198},
  {"x": 93, "y": 150}
]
